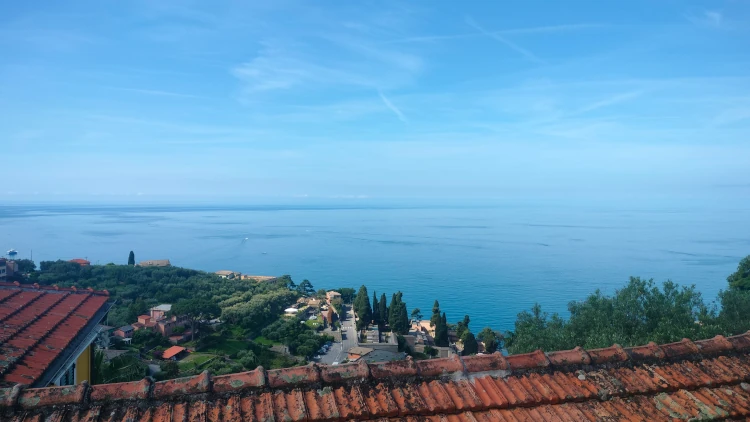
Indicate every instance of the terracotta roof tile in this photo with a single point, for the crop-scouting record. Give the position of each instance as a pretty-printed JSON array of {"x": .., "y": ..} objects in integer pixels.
[
  {"x": 37, "y": 324},
  {"x": 683, "y": 380}
]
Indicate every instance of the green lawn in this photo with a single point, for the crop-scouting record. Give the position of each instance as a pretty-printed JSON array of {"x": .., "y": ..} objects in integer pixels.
[
  {"x": 194, "y": 360},
  {"x": 264, "y": 341},
  {"x": 228, "y": 347},
  {"x": 314, "y": 323}
]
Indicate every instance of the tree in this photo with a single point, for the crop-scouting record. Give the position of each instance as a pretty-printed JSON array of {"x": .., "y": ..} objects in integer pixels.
[
  {"x": 441, "y": 331},
  {"x": 375, "y": 309},
  {"x": 382, "y": 311},
  {"x": 131, "y": 258},
  {"x": 462, "y": 326},
  {"x": 430, "y": 351},
  {"x": 416, "y": 315},
  {"x": 306, "y": 288},
  {"x": 435, "y": 314},
  {"x": 362, "y": 308},
  {"x": 170, "y": 368},
  {"x": 25, "y": 266},
  {"x": 636, "y": 314},
  {"x": 740, "y": 279},
  {"x": 321, "y": 294},
  {"x": 196, "y": 309},
  {"x": 490, "y": 338},
  {"x": 347, "y": 294},
  {"x": 470, "y": 344}
]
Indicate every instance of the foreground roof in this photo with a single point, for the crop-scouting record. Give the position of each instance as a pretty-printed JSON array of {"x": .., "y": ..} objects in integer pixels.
[
  {"x": 38, "y": 325},
  {"x": 702, "y": 380}
]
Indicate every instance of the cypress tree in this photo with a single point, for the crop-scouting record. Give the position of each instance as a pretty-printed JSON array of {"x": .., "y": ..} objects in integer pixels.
[
  {"x": 131, "y": 258},
  {"x": 435, "y": 314},
  {"x": 383, "y": 311},
  {"x": 362, "y": 308},
  {"x": 375, "y": 309}
]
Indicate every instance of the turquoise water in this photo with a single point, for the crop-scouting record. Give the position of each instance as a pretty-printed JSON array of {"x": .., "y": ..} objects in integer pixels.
[{"x": 490, "y": 262}]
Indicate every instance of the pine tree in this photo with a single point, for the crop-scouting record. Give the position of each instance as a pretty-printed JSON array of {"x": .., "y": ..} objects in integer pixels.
[
  {"x": 131, "y": 258},
  {"x": 375, "y": 309},
  {"x": 435, "y": 314}
]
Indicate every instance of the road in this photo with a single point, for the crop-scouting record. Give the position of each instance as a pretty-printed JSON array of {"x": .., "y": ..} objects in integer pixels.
[{"x": 339, "y": 351}]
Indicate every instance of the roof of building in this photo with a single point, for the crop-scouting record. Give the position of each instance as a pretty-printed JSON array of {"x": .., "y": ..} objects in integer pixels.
[
  {"x": 361, "y": 351},
  {"x": 687, "y": 380},
  {"x": 110, "y": 354},
  {"x": 225, "y": 272},
  {"x": 126, "y": 328},
  {"x": 383, "y": 356},
  {"x": 155, "y": 263},
  {"x": 172, "y": 352},
  {"x": 80, "y": 261},
  {"x": 163, "y": 307},
  {"x": 333, "y": 293},
  {"x": 37, "y": 325}
]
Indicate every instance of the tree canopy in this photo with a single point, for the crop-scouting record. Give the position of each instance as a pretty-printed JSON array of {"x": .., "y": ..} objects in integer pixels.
[
  {"x": 196, "y": 309},
  {"x": 435, "y": 314},
  {"x": 131, "y": 258},
  {"x": 470, "y": 344},
  {"x": 490, "y": 338},
  {"x": 362, "y": 308},
  {"x": 441, "y": 331},
  {"x": 740, "y": 279}
]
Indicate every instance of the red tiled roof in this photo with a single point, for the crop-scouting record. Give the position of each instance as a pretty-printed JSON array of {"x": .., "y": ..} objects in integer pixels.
[
  {"x": 80, "y": 261},
  {"x": 37, "y": 323},
  {"x": 687, "y": 380},
  {"x": 172, "y": 352}
]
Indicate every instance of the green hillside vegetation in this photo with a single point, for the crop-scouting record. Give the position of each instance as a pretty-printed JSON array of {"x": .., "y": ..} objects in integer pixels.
[{"x": 636, "y": 314}]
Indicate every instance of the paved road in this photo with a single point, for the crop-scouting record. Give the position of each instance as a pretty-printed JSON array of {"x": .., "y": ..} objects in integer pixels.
[{"x": 339, "y": 351}]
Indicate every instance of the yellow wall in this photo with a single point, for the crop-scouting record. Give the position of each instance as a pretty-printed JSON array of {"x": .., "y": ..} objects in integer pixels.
[{"x": 83, "y": 365}]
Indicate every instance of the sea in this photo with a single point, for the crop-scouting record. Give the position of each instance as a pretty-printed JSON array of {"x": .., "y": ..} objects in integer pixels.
[{"x": 488, "y": 260}]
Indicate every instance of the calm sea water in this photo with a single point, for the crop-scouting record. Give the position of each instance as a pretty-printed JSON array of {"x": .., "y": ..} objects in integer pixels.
[{"x": 490, "y": 262}]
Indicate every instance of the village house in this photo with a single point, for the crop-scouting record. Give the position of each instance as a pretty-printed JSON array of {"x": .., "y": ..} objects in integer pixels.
[
  {"x": 228, "y": 274},
  {"x": 330, "y": 295},
  {"x": 81, "y": 262},
  {"x": 126, "y": 331},
  {"x": 174, "y": 353}
]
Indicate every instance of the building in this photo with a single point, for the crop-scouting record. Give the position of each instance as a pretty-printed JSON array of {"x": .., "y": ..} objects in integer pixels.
[
  {"x": 3, "y": 269},
  {"x": 174, "y": 353},
  {"x": 47, "y": 333},
  {"x": 355, "y": 353},
  {"x": 155, "y": 263},
  {"x": 81, "y": 262},
  {"x": 160, "y": 312},
  {"x": 682, "y": 381},
  {"x": 228, "y": 274},
  {"x": 126, "y": 331},
  {"x": 330, "y": 295}
]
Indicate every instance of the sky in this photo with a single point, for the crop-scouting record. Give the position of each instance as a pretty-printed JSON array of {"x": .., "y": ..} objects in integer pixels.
[{"x": 373, "y": 99}]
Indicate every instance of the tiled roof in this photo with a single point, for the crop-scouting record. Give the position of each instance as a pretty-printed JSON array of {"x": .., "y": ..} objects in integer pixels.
[
  {"x": 37, "y": 323},
  {"x": 172, "y": 352},
  {"x": 687, "y": 380}
]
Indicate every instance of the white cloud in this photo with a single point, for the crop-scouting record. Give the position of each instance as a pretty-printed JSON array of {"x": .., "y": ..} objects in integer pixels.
[
  {"x": 494, "y": 35},
  {"x": 392, "y": 107}
]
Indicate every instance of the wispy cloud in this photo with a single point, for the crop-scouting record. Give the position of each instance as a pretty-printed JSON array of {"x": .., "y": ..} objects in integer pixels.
[
  {"x": 707, "y": 18},
  {"x": 615, "y": 99},
  {"x": 154, "y": 92},
  {"x": 393, "y": 108},
  {"x": 524, "y": 52},
  {"x": 548, "y": 29}
]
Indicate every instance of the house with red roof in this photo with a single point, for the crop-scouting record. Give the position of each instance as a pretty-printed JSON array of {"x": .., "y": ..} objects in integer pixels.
[
  {"x": 174, "y": 353},
  {"x": 47, "y": 333},
  {"x": 81, "y": 262}
]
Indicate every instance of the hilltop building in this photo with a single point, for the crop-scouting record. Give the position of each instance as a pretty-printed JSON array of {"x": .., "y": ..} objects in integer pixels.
[{"x": 155, "y": 263}]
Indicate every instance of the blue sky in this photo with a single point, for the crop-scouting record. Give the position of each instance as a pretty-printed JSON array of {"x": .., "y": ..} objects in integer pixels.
[{"x": 351, "y": 100}]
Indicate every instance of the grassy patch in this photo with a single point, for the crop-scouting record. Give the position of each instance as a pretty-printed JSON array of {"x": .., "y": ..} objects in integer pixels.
[
  {"x": 264, "y": 341},
  {"x": 314, "y": 323},
  {"x": 228, "y": 347}
]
